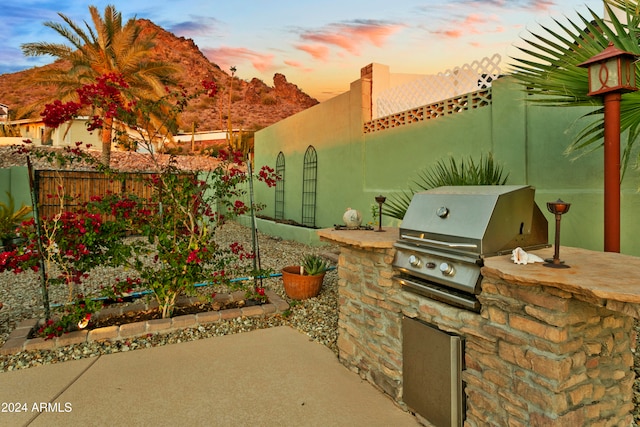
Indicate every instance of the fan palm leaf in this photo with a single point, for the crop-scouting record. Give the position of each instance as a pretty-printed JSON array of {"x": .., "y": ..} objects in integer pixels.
[
  {"x": 444, "y": 173},
  {"x": 549, "y": 71}
]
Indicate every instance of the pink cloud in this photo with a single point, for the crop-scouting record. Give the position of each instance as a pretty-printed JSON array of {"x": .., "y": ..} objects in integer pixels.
[
  {"x": 541, "y": 5},
  {"x": 473, "y": 23},
  {"x": 299, "y": 65},
  {"x": 349, "y": 37},
  {"x": 538, "y": 5},
  {"x": 228, "y": 56},
  {"x": 317, "y": 51}
]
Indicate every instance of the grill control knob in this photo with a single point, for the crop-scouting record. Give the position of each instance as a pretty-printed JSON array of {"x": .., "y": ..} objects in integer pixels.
[
  {"x": 415, "y": 261},
  {"x": 447, "y": 269}
]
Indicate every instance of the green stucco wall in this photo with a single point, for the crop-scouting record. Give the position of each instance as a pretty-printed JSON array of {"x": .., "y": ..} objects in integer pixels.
[
  {"x": 15, "y": 180},
  {"x": 529, "y": 141}
]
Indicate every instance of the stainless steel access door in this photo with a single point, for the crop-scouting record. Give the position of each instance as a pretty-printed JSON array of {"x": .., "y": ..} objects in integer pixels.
[{"x": 432, "y": 370}]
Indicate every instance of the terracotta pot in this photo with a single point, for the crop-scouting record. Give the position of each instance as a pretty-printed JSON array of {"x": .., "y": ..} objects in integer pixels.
[{"x": 299, "y": 286}]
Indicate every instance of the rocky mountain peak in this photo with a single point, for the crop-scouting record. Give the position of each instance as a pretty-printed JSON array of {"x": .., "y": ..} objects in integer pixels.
[{"x": 254, "y": 104}]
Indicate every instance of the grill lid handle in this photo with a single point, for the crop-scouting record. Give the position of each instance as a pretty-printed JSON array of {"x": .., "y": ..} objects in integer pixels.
[{"x": 440, "y": 243}]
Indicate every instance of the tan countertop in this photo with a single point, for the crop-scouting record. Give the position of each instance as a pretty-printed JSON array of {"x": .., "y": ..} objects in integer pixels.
[
  {"x": 362, "y": 238},
  {"x": 603, "y": 275},
  {"x": 594, "y": 274}
]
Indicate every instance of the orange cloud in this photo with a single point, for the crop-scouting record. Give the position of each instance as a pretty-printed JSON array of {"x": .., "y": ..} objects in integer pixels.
[
  {"x": 450, "y": 34},
  {"x": 228, "y": 56},
  {"x": 347, "y": 36}
]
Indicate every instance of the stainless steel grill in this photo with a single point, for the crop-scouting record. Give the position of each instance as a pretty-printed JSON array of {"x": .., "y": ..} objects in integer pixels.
[{"x": 448, "y": 231}]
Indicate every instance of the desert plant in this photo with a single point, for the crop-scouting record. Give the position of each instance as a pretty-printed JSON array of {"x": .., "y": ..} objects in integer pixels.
[
  {"x": 451, "y": 172},
  {"x": 10, "y": 218},
  {"x": 305, "y": 280},
  {"x": 268, "y": 100},
  {"x": 312, "y": 264}
]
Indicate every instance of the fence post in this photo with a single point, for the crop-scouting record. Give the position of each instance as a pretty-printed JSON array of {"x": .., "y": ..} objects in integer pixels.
[{"x": 36, "y": 219}]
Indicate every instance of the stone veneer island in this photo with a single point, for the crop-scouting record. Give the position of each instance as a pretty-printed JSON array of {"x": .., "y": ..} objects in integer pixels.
[{"x": 549, "y": 347}]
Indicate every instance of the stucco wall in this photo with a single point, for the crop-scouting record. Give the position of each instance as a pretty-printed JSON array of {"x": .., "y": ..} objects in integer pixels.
[
  {"x": 15, "y": 180},
  {"x": 528, "y": 140}
]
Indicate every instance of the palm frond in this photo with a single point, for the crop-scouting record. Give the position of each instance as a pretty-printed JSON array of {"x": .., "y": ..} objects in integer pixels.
[
  {"x": 549, "y": 70},
  {"x": 444, "y": 173}
]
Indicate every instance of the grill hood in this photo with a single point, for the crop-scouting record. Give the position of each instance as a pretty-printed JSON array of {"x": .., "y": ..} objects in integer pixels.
[{"x": 477, "y": 220}]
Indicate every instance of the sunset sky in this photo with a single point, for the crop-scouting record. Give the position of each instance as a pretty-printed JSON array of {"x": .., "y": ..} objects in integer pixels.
[{"x": 318, "y": 45}]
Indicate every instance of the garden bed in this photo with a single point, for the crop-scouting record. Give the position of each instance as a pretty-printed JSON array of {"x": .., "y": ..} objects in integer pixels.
[{"x": 141, "y": 319}]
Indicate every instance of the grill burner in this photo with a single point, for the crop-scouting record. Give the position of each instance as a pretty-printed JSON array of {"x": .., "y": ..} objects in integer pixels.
[{"x": 448, "y": 231}]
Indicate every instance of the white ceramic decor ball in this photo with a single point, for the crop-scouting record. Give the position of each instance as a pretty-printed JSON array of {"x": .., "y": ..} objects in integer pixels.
[{"x": 352, "y": 218}]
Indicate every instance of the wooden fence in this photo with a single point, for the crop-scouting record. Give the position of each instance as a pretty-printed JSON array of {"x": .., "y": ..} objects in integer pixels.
[{"x": 75, "y": 188}]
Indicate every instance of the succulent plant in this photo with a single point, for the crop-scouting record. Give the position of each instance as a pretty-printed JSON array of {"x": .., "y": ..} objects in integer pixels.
[{"x": 313, "y": 265}]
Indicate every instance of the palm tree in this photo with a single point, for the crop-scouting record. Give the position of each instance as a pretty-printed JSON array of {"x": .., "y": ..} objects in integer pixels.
[
  {"x": 108, "y": 47},
  {"x": 548, "y": 70}
]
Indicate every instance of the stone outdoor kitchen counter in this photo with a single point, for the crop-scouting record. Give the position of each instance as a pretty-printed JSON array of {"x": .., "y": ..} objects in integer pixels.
[
  {"x": 593, "y": 275},
  {"x": 600, "y": 275},
  {"x": 362, "y": 238},
  {"x": 550, "y": 347}
]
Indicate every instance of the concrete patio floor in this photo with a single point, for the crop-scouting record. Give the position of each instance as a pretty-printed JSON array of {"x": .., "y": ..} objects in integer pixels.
[{"x": 268, "y": 377}]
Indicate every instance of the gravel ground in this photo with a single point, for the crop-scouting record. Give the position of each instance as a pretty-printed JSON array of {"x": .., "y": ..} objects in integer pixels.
[{"x": 316, "y": 317}]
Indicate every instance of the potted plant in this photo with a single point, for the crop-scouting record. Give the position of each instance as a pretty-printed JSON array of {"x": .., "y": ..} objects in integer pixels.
[
  {"x": 10, "y": 219},
  {"x": 305, "y": 280}
]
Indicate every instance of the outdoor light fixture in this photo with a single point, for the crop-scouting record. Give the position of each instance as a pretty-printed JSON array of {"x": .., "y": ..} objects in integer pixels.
[
  {"x": 380, "y": 199},
  {"x": 612, "y": 70},
  {"x": 558, "y": 208},
  {"x": 84, "y": 322},
  {"x": 611, "y": 73}
]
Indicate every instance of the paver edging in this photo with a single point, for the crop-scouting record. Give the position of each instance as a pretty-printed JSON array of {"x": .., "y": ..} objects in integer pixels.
[{"x": 18, "y": 339}]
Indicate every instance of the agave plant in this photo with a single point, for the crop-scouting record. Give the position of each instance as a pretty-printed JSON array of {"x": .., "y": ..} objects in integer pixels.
[
  {"x": 549, "y": 70},
  {"x": 313, "y": 265},
  {"x": 451, "y": 172}
]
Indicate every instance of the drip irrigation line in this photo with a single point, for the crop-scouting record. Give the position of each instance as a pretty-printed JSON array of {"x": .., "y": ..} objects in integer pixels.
[{"x": 140, "y": 294}]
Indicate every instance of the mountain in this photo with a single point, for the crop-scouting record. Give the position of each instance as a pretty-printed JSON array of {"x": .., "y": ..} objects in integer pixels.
[{"x": 254, "y": 104}]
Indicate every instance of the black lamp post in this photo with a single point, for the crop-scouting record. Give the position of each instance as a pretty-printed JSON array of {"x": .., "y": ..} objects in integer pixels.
[{"x": 380, "y": 199}]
